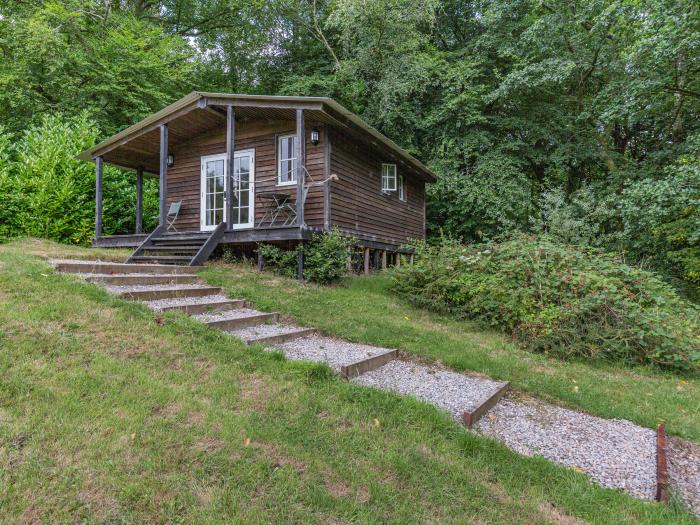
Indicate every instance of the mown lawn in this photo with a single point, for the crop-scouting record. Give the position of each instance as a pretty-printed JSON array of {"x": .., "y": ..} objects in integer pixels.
[
  {"x": 363, "y": 309},
  {"x": 109, "y": 413}
]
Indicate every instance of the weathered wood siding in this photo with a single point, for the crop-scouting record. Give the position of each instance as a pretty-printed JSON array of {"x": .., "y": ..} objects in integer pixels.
[
  {"x": 359, "y": 206},
  {"x": 184, "y": 176}
]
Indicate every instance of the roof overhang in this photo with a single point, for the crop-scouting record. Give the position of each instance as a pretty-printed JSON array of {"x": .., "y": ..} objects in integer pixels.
[{"x": 197, "y": 112}]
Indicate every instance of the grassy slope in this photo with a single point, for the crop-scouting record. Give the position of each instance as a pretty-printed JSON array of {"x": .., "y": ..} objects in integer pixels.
[
  {"x": 110, "y": 414},
  {"x": 364, "y": 310}
]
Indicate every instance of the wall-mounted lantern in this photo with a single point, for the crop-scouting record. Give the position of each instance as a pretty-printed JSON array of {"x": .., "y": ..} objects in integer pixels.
[
  {"x": 171, "y": 160},
  {"x": 314, "y": 136}
]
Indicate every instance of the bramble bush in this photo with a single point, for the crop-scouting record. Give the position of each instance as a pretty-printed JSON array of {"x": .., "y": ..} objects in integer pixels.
[
  {"x": 557, "y": 299},
  {"x": 325, "y": 257}
]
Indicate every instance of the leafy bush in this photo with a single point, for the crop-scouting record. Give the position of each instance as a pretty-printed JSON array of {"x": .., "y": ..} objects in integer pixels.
[
  {"x": 47, "y": 192},
  {"x": 325, "y": 257},
  {"x": 558, "y": 299}
]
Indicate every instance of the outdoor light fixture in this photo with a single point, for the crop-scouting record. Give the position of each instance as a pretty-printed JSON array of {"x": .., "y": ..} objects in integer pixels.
[
  {"x": 314, "y": 136},
  {"x": 171, "y": 160}
]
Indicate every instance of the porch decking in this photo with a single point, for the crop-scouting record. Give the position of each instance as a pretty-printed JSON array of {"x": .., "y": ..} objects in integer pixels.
[{"x": 268, "y": 234}]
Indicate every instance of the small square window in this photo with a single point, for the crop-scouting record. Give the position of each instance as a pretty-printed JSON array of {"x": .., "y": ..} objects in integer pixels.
[
  {"x": 388, "y": 177},
  {"x": 402, "y": 189},
  {"x": 286, "y": 160}
]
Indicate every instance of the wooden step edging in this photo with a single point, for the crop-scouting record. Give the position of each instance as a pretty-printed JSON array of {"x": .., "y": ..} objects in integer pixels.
[
  {"x": 366, "y": 365},
  {"x": 175, "y": 293},
  {"x": 243, "y": 322},
  {"x": 203, "y": 308},
  {"x": 471, "y": 417},
  {"x": 281, "y": 338},
  {"x": 127, "y": 280},
  {"x": 112, "y": 268}
]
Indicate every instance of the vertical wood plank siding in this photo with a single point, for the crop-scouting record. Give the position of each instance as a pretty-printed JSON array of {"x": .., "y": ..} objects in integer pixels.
[
  {"x": 184, "y": 177},
  {"x": 358, "y": 205}
]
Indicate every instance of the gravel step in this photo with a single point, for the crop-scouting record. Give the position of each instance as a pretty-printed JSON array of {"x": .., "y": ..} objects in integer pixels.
[
  {"x": 335, "y": 352},
  {"x": 196, "y": 305},
  {"x": 233, "y": 322},
  {"x": 210, "y": 317},
  {"x": 103, "y": 267},
  {"x": 450, "y": 391},
  {"x": 615, "y": 453},
  {"x": 271, "y": 334},
  {"x": 153, "y": 292},
  {"x": 141, "y": 279}
]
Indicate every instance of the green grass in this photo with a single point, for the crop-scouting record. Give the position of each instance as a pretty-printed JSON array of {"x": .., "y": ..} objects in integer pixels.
[
  {"x": 363, "y": 309},
  {"x": 109, "y": 413}
]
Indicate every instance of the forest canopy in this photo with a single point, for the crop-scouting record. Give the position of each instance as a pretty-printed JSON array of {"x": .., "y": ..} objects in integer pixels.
[{"x": 578, "y": 119}]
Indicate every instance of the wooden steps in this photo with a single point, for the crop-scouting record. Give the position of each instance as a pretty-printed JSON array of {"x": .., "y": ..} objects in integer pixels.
[
  {"x": 99, "y": 267},
  {"x": 136, "y": 279},
  {"x": 187, "y": 249},
  {"x": 155, "y": 293}
]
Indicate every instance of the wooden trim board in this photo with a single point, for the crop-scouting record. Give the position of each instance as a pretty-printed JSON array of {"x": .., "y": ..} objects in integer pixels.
[
  {"x": 471, "y": 417},
  {"x": 281, "y": 338},
  {"x": 366, "y": 365},
  {"x": 661, "y": 465}
]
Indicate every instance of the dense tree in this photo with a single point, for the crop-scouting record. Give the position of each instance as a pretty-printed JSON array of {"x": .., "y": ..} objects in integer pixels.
[{"x": 536, "y": 115}]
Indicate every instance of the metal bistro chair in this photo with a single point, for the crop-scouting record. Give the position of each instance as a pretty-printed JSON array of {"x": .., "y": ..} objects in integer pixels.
[
  {"x": 290, "y": 208},
  {"x": 173, "y": 212}
]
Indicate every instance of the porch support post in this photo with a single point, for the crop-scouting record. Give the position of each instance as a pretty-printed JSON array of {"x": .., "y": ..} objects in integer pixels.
[
  {"x": 300, "y": 154},
  {"x": 163, "y": 174},
  {"x": 230, "y": 145},
  {"x": 383, "y": 259},
  {"x": 139, "y": 200},
  {"x": 98, "y": 197},
  {"x": 366, "y": 261}
]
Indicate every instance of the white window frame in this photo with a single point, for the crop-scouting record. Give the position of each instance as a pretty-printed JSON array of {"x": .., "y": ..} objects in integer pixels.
[
  {"x": 402, "y": 189},
  {"x": 292, "y": 182},
  {"x": 386, "y": 177}
]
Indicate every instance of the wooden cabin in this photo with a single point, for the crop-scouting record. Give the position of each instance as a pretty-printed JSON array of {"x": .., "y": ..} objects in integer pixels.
[{"x": 349, "y": 175}]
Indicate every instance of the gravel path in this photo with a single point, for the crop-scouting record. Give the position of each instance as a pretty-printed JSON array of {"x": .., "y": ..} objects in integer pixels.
[
  {"x": 335, "y": 352},
  {"x": 684, "y": 471},
  {"x": 613, "y": 452},
  {"x": 150, "y": 287},
  {"x": 447, "y": 390},
  {"x": 183, "y": 301},
  {"x": 264, "y": 330},
  {"x": 227, "y": 314}
]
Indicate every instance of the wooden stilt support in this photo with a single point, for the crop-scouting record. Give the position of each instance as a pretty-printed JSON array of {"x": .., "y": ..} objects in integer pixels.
[
  {"x": 411, "y": 260},
  {"x": 398, "y": 259},
  {"x": 383, "y": 259},
  {"x": 261, "y": 261},
  {"x": 300, "y": 263},
  {"x": 366, "y": 261}
]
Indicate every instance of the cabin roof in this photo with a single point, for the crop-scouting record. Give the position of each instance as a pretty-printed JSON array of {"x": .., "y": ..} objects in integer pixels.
[{"x": 321, "y": 108}]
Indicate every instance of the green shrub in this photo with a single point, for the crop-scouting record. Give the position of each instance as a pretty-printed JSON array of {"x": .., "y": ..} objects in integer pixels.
[
  {"x": 558, "y": 299},
  {"x": 325, "y": 257}
]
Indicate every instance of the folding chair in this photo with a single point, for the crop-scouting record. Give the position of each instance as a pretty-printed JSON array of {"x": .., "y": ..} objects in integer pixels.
[{"x": 173, "y": 212}]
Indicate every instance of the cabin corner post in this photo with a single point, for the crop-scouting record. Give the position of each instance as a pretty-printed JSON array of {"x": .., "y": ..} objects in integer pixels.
[
  {"x": 300, "y": 154},
  {"x": 98, "y": 196},
  {"x": 163, "y": 174},
  {"x": 139, "y": 200},
  {"x": 230, "y": 145},
  {"x": 326, "y": 177}
]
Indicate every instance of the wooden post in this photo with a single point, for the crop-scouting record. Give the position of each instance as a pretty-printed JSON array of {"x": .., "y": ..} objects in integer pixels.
[
  {"x": 366, "y": 261},
  {"x": 300, "y": 154},
  {"x": 300, "y": 261},
  {"x": 398, "y": 259},
  {"x": 411, "y": 260},
  {"x": 98, "y": 197},
  {"x": 326, "y": 177},
  {"x": 139, "y": 200},
  {"x": 163, "y": 174},
  {"x": 383, "y": 259},
  {"x": 230, "y": 145},
  {"x": 261, "y": 261}
]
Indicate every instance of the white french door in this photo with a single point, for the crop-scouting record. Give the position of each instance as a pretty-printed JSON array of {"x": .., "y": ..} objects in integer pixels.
[{"x": 213, "y": 190}]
